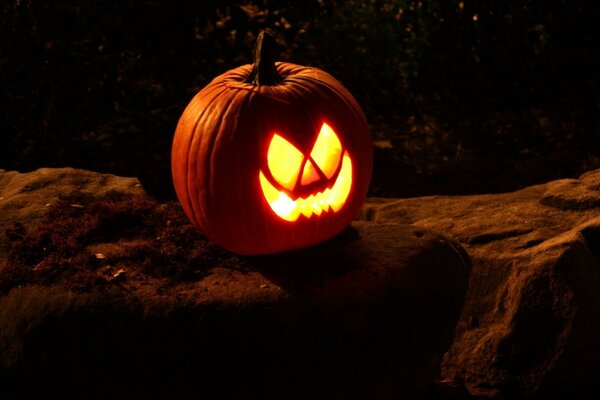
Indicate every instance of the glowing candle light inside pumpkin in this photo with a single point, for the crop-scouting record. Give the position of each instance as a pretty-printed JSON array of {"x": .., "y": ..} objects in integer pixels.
[{"x": 285, "y": 161}]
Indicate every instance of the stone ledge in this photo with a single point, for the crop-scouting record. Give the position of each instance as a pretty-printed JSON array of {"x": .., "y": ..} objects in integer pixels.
[
  {"x": 531, "y": 321},
  {"x": 368, "y": 314}
]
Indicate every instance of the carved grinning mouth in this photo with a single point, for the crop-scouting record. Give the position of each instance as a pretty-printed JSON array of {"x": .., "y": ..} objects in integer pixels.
[{"x": 331, "y": 198}]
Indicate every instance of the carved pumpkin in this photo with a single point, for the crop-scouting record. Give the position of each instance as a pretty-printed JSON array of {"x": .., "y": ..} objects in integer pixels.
[{"x": 271, "y": 157}]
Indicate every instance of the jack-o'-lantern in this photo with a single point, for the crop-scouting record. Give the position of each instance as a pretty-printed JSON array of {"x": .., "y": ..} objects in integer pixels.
[{"x": 271, "y": 157}]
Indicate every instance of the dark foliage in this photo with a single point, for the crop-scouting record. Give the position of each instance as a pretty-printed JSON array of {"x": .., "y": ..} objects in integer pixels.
[{"x": 462, "y": 96}]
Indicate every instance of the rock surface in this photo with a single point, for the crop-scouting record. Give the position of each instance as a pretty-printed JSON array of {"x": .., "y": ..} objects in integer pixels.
[
  {"x": 531, "y": 322},
  {"x": 26, "y": 197},
  {"x": 105, "y": 293},
  {"x": 373, "y": 307}
]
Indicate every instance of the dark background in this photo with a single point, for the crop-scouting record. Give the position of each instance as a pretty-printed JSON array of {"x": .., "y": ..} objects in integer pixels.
[{"x": 462, "y": 96}]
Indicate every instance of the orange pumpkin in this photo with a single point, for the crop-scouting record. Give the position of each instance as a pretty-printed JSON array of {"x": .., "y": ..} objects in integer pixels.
[{"x": 271, "y": 157}]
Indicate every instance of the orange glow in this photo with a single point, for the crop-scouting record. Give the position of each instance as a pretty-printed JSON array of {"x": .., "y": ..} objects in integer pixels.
[
  {"x": 309, "y": 174},
  {"x": 284, "y": 161},
  {"x": 327, "y": 151},
  {"x": 331, "y": 198}
]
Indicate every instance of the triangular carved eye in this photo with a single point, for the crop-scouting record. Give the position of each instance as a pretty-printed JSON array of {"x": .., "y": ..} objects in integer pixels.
[
  {"x": 284, "y": 161},
  {"x": 309, "y": 174},
  {"x": 327, "y": 151}
]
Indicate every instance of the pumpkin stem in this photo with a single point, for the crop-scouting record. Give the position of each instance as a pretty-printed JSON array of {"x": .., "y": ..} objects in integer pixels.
[{"x": 264, "y": 71}]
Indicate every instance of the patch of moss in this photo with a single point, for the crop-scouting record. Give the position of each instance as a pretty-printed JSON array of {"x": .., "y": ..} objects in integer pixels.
[{"x": 145, "y": 236}]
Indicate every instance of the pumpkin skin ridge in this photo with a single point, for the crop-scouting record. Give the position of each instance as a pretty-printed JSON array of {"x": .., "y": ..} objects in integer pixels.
[
  {"x": 304, "y": 97},
  {"x": 351, "y": 104},
  {"x": 330, "y": 82},
  {"x": 198, "y": 137},
  {"x": 215, "y": 138},
  {"x": 193, "y": 104},
  {"x": 211, "y": 139}
]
